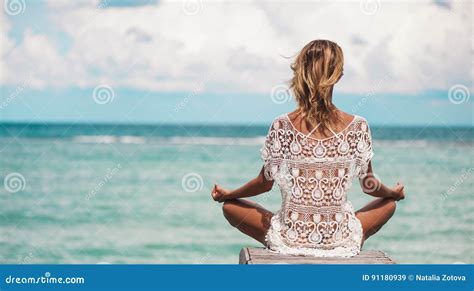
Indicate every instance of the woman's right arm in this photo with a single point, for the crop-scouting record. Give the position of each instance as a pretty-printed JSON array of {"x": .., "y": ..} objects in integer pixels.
[
  {"x": 371, "y": 185},
  {"x": 254, "y": 187}
]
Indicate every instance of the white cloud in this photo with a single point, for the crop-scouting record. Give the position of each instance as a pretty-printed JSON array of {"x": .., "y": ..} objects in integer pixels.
[
  {"x": 240, "y": 45},
  {"x": 6, "y": 45}
]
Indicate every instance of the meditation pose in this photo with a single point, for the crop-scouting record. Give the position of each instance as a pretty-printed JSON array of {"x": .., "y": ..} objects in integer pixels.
[{"x": 313, "y": 154}]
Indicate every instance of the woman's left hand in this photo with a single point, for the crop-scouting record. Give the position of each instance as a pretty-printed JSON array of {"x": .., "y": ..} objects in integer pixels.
[{"x": 218, "y": 193}]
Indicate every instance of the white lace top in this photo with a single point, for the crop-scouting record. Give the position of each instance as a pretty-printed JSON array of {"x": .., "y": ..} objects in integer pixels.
[{"x": 314, "y": 177}]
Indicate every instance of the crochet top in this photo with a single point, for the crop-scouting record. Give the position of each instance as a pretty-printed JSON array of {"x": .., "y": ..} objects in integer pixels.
[{"x": 314, "y": 177}]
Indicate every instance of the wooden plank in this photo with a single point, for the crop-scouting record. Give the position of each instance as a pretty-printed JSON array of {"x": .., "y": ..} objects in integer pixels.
[
  {"x": 244, "y": 256},
  {"x": 264, "y": 256},
  {"x": 264, "y": 252}
]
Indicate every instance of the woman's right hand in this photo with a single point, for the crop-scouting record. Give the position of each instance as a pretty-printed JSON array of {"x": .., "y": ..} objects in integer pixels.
[
  {"x": 398, "y": 192},
  {"x": 218, "y": 193}
]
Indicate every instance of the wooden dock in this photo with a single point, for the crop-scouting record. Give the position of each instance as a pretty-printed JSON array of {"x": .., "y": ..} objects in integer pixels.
[{"x": 263, "y": 256}]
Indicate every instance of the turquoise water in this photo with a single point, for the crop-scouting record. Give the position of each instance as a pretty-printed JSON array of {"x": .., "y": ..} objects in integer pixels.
[{"x": 140, "y": 194}]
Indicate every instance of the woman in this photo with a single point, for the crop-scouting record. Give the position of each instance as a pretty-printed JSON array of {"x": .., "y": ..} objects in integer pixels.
[{"x": 313, "y": 154}]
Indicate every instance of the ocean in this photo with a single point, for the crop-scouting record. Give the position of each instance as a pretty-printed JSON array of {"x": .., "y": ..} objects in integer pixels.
[{"x": 103, "y": 193}]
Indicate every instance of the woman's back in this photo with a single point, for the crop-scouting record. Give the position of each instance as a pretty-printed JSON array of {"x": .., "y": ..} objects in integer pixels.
[
  {"x": 314, "y": 176},
  {"x": 313, "y": 154}
]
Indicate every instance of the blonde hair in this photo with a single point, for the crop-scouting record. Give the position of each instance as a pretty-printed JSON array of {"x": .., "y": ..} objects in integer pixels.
[{"x": 316, "y": 69}]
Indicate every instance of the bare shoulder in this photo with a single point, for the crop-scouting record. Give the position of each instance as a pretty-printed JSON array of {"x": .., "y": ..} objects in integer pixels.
[
  {"x": 293, "y": 114},
  {"x": 345, "y": 118}
]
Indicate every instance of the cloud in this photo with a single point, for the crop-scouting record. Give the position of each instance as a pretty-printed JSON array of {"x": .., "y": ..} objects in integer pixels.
[
  {"x": 6, "y": 45},
  {"x": 243, "y": 46}
]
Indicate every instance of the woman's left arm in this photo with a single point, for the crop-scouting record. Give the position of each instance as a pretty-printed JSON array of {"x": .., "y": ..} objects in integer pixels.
[{"x": 254, "y": 187}]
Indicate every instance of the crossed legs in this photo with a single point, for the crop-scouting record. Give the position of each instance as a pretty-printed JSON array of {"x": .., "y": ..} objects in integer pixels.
[
  {"x": 248, "y": 217},
  {"x": 374, "y": 215},
  {"x": 254, "y": 220}
]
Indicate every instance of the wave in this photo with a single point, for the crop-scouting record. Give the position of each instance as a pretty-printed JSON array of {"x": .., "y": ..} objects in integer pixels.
[
  {"x": 217, "y": 140},
  {"x": 404, "y": 143},
  {"x": 177, "y": 140},
  {"x": 107, "y": 139}
]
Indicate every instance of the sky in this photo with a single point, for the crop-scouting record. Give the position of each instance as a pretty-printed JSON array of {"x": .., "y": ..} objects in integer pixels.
[{"x": 221, "y": 62}]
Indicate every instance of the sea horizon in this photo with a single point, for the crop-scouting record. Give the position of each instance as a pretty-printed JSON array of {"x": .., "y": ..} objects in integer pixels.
[{"x": 463, "y": 133}]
